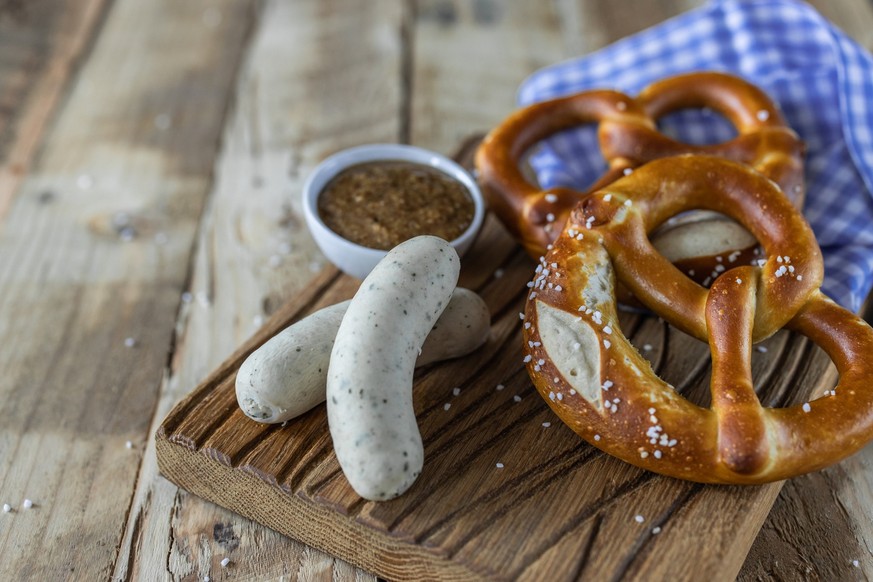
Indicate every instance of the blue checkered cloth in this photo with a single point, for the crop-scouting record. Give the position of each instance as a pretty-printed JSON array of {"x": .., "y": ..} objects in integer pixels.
[{"x": 821, "y": 79}]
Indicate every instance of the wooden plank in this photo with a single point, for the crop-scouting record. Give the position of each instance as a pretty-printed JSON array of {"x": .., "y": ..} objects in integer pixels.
[
  {"x": 469, "y": 59},
  {"x": 554, "y": 496},
  {"x": 41, "y": 44},
  {"x": 317, "y": 77},
  {"x": 435, "y": 121},
  {"x": 95, "y": 250}
]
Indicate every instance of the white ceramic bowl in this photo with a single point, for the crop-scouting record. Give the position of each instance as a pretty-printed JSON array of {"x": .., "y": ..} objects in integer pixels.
[{"x": 357, "y": 260}]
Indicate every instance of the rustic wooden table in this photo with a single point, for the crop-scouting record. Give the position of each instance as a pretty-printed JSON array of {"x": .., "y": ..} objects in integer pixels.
[{"x": 151, "y": 158}]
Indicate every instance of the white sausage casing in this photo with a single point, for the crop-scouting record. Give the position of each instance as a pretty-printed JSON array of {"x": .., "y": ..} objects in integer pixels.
[
  {"x": 286, "y": 376},
  {"x": 369, "y": 385}
]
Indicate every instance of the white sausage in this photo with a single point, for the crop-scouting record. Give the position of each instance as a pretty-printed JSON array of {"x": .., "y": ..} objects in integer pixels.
[
  {"x": 369, "y": 382},
  {"x": 286, "y": 376}
]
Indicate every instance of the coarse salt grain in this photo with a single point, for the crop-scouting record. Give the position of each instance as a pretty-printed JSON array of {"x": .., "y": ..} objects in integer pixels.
[
  {"x": 551, "y": 198},
  {"x": 856, "y": 563},
  {"x": 7, "y": 508},
  {"x": 225, "y": 562},
  {"x": 27, "y": 504},
  {"x": 517, "y": 398},
  {"x": 527, "y": 359},
  {"x": 639, "y": 519},
  {"x": 607, "y": 198},
  {"x": 762, "y": 349},
  {"x": 806, "y": 407},
  {"x": 499, "y": 465},
  {"x": 647, "y": 347},
  {"x": 128, "y": 444},
  {"x": 456, "y": 391},
  {"x": 129, "y": 342},
  {"x": 547, "y": 424},
  {"x": 656, "y": 530},
  {"x": 763, "y": 115},
  {"x": 203, "y": 299},
  {"x": 627, "y": 171},
  {"x": 597, "y": 437},
  {"x": 501, "y": 386},
  {"x": 447, "y": 405},
  {"x": 84, "y": 181}
]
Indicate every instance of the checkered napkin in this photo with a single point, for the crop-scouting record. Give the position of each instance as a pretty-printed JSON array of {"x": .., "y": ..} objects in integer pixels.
[{"x": 821, "y": 79}]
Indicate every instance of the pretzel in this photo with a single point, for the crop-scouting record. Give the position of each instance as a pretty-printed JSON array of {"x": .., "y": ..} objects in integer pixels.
[
  {"x": 628, "y": 138},
  {"x": 601, "y": 387}
]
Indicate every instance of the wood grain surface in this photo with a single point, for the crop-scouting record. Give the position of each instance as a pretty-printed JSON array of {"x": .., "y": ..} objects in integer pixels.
[
  {"x": 507, "y": 491},
  {"x": 192, "y": 125}
]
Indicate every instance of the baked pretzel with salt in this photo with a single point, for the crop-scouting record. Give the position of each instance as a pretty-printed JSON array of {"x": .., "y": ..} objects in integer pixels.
[
  {"x": 600, "y": 386},
  {"x": 629, "y": 137}
]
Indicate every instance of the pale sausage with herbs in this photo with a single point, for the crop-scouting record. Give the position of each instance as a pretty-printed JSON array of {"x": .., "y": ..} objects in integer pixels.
[
  {"x": 369, "y": 384},
  {"x": 286, "y": 376}
]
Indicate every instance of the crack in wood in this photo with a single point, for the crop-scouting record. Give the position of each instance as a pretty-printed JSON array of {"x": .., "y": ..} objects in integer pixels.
[
  {"x": 642, "y": 542},
  {"x": 586, "y": 513},
  {"x": 407, "y": 70}
]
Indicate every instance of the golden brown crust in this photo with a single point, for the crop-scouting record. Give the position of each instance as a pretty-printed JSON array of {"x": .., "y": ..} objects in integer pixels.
[
  {"x": 601, "y": 387},
  {"x": 628, "y": 138}
]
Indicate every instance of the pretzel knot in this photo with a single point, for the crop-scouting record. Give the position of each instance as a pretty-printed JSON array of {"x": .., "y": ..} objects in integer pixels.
[
  {"x": 600, "y": 386},
  {"x": 628, "y": 138}
]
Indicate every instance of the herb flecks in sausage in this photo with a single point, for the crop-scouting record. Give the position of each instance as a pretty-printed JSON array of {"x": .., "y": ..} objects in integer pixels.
[{"x": 370, "y": 450}]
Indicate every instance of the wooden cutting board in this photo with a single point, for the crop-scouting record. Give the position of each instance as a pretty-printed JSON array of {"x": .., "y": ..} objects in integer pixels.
[{"x": 555, "y": 509}]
